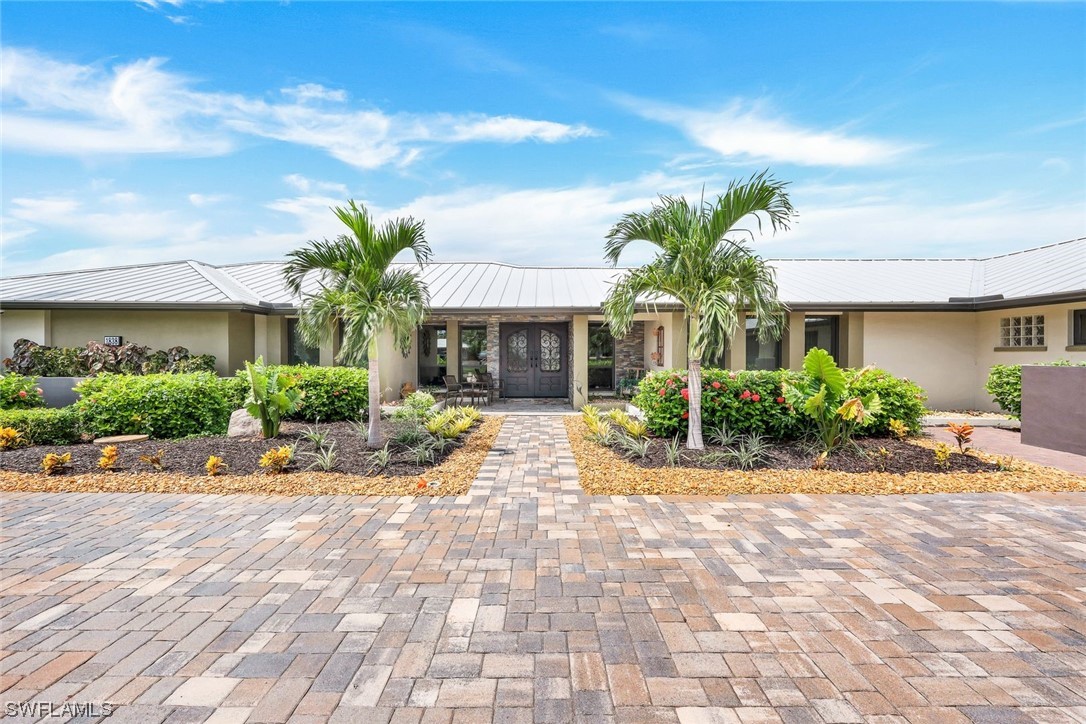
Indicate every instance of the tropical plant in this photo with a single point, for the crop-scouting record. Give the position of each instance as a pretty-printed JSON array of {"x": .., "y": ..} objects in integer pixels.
[
  {"x": 722, "y": 436},
  {"x": 423, "y": 451},
  {"x": 108, "y": 460},
  {"x": 215, "y": 465},
  {"x": 634, "y": 446},
  {"x": 324, "y": 458},
  {"x": 10, "y": 438},
  {"x": 154, "y": 460},
  {"x": 276, "y": 460},
  {"x": 381, "y": 458},
  {"x": 825, "y": 396},
  {"x": 44, "y": 426},
  {"x": 962, "y": 432},
  {"x": 882, "y": 458},
  {"x": 672, "y": 451},
  {"x": 704, "y": 264},
  {"x": 316, "y": 436},
  {"x": 272, "y": 396},
  {"x": 898, "y": 429},
  {"x": 54, "y": 463},
  {"x": 357, "y": 287},
  {"x": 942, "y": 453}
]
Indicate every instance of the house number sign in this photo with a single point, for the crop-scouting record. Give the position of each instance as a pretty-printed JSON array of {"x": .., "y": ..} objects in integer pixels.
[{"x": 112, "y": 340}]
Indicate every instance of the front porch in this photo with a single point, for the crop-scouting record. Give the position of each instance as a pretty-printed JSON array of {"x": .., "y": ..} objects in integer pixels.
[{"x": 534, "y": 357}]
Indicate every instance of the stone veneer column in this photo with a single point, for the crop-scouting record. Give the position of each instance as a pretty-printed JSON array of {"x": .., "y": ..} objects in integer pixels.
[
  {"x": 629, "y": 350},
  {"x": 493, "y": 345}
]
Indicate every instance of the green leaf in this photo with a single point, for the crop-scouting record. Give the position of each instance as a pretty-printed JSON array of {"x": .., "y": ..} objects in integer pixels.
[
  {"x": 815, "y": 403},
  {"x": 819, "y": 365}
]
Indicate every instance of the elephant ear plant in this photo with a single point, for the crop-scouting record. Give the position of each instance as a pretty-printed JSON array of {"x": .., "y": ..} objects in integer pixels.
[
  {"x": 272, "y": 396},
  {"x": 824, "y": 395}
]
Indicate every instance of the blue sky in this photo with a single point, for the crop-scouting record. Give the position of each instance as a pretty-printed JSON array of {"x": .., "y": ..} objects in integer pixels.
[{"x": 137, "y": 132}]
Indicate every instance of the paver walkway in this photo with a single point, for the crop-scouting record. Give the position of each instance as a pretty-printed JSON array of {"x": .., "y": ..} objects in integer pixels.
[{"x": 526, "y": 600}]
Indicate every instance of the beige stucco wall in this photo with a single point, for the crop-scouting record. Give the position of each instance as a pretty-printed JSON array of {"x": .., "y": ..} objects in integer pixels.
[
  {"x": 15, "y": 324},
  {"x": 395, "y": 369},
  {"x": 1057, "y": 340},
  {"x": 200, "y": 332},
  {"x": 934, "y": 349}
]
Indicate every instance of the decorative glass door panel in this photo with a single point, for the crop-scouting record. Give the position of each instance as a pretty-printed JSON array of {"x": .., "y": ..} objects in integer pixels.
[{"x": 534, "y": 360}]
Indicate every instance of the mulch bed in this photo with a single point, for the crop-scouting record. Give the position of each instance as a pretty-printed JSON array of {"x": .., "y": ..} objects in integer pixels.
[
  {"x": 184, "y": 471},
  {"x": 904, "y": 457},
  {"x": 605, "y": 472}
]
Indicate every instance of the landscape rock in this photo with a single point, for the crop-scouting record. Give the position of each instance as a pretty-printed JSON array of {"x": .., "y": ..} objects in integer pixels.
[{"x": 242, "y": 424}]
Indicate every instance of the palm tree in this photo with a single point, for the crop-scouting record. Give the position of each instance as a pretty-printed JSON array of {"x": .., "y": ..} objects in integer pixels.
[
  {"x": 357, "y": 286},
  {"x": 703, "y": 263}
]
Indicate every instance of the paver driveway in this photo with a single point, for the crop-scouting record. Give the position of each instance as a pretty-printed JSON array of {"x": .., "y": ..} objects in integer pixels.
[{"x": 528, "y": 600}]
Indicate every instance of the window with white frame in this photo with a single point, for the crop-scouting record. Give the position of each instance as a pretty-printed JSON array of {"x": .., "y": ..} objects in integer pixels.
[{"x": 1027, "y": 331}]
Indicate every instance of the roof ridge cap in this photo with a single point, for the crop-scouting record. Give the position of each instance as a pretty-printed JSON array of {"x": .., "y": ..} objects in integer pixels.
[{"x": 225, "y": 283}]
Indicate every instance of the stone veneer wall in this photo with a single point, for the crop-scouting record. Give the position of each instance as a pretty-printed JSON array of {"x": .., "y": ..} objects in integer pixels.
[{"x": 630, "y": 350}]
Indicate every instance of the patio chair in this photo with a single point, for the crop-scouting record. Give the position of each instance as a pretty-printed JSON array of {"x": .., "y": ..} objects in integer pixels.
[
  {"x": 453, "y": 389},
  {"x": 490, "y": 386}
]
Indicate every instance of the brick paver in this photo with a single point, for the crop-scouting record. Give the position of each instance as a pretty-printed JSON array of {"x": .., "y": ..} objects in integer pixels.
[{"x": 526, "y": 600}]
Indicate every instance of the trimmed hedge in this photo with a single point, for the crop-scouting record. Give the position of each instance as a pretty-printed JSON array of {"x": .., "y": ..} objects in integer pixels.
[
  {"x": 332, "y": 394},
  {"x": 724, "y": 401},
  {"x": 19, "y": 392},
  {"x": 1005, "y": 385},
  {"x": 44, "y": 426},
  {"x": 162, "y": 405}
]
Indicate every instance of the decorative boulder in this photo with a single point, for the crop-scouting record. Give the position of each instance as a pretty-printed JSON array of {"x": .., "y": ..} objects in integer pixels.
[{"x": 242, "y": 424}]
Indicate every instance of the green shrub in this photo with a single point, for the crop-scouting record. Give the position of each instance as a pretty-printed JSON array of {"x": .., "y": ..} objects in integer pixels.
[
  {"x": 162, "y": 406},
  {"x": 1005, "y": 385},
  {"x": 900, "y": 399},
  {"x": 31, "y": 358},
  {"x": 420, "y": 402},
  {"x": 18, "y": 392},
  {"x": 743, "y": 415},
  {"x": 44, "y": 426},
  {"x": 332, "y": 394},
  {"x": 750, "y": 401}
]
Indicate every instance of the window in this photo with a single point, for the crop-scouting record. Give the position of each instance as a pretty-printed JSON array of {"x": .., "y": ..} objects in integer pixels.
[
  {"x": 472, "y": 351},
  {"x": 820, "y": 332},
  {"x": 297, "y": 351},
  {"x": 601, "y": 357},
  {"x": 1027, "y": 331},
  {"x": 433, "y": 354},
  {"x": 761, "y": 355},
  {"x": 1078, "y": 327}
]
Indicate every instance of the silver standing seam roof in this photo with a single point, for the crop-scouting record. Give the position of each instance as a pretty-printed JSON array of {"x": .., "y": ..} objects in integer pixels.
[{"x": 1050, "y": 273}]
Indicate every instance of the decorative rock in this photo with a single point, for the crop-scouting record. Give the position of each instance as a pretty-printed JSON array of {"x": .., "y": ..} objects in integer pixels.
[
  {"x": 120, "y": 439},
  {"x": 242, "y": 424}
]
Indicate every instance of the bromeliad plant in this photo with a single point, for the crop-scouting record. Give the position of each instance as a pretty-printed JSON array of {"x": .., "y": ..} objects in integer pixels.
[
  {"x": 272, "y": 396},
  {"x": 825, "y": 396}
]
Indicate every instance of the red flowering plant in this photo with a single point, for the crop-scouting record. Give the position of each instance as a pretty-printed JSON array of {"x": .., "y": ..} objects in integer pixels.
[
  {"x": 18, "y": 392},
  {"x": 745, "y": 402}
]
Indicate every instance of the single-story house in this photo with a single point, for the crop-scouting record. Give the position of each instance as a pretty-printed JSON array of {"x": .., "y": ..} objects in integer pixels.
[{"x": 940, "y": 322}]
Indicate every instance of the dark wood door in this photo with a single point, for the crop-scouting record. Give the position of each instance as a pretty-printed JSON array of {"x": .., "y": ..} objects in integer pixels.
[{"x": 535, "y": 360}]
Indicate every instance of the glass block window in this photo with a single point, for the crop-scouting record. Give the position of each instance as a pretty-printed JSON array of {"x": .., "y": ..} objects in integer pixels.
[{"x": 1027, "y": 331}]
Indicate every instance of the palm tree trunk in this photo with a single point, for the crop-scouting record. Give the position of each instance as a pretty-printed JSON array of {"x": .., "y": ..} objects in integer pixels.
[
  {"x": 373, "y": 438},
  {"x": 693, "y": 383}
]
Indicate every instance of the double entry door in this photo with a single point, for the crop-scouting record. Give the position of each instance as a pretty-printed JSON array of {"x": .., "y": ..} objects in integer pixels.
[{"x": 535, "y": 360}]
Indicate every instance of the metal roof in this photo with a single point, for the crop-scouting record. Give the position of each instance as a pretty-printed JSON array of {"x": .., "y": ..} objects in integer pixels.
[{"x": 1050, "y": 272}]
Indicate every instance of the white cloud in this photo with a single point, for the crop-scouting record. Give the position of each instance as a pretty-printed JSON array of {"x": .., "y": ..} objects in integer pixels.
[
  {"x": 748, "y": 132},
  {"x": 140, "y": 107},
  {"x": 315, "y": 92},
  {"x": 201, "y": 200}
]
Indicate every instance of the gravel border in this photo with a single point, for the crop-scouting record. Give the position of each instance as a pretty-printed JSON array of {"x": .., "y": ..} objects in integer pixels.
[
  {"x": 455, "y": 474},
  {"x": 603, "y": 472}
]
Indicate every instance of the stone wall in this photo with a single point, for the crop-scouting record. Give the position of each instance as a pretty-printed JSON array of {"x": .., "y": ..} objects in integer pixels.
[{"x": 630, "y": 350}]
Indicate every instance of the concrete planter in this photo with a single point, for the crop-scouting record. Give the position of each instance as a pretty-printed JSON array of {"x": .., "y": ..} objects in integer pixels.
[
  {"x": 57, "y": 391},
  {"x": 1054, "y": 408}
]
